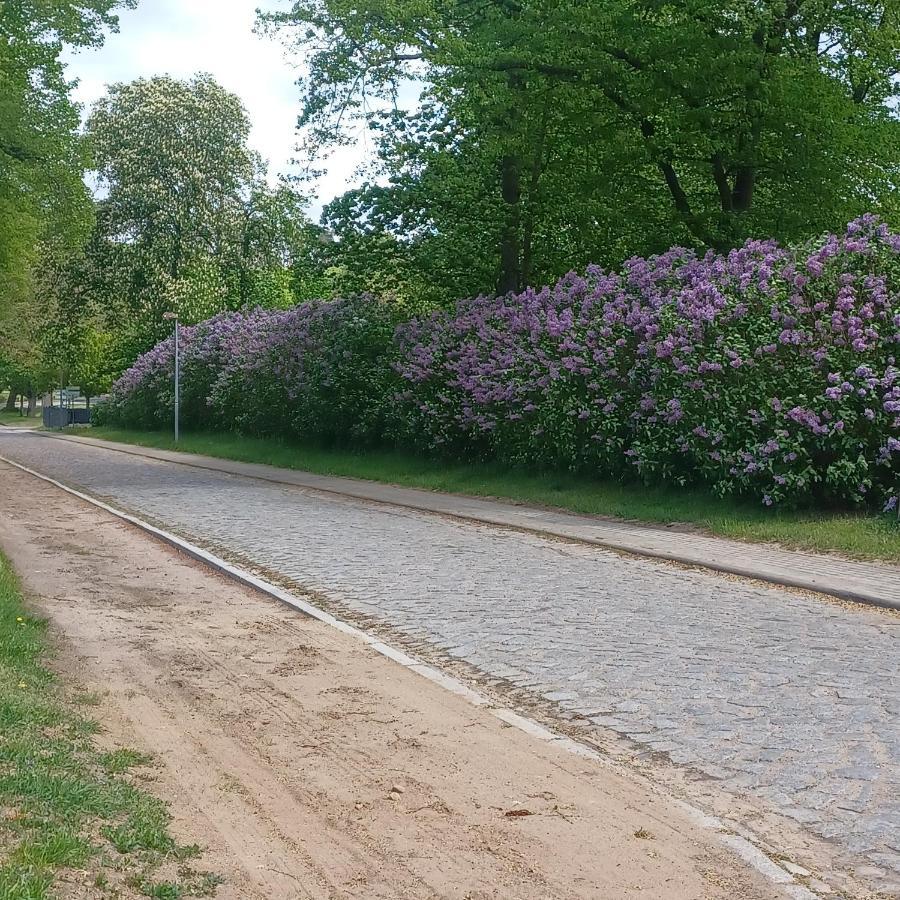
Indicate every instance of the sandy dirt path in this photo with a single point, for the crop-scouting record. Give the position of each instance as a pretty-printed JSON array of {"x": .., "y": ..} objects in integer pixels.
[{"x": 309, "y": 766}]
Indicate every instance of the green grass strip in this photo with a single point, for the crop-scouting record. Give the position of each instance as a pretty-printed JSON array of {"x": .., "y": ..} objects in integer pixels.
[{"x": 65, "y": 805}]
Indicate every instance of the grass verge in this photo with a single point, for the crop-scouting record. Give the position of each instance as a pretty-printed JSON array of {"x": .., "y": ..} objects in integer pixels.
[
  {"x": 16, "y": 420},
  {"x": 73, "y": 819},
  {"x": 852, "y": 534}
]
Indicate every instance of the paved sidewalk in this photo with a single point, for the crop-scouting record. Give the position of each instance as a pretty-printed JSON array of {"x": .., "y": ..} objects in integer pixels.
[{"x": 865, "y": 582}]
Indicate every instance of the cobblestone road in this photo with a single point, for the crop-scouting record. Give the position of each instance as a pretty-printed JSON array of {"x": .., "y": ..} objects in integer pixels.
[{"x": 792, "y": 699}]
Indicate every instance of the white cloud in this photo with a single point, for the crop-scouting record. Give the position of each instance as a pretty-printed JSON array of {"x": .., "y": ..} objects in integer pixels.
[{"x": 182, "y": 37}]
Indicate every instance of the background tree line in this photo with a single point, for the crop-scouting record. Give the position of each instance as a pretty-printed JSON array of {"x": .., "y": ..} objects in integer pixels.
[
  {"x": 554, "y": 133},
  {"x": 548, "y": 134},
  {"x": 182, "y": 216}
]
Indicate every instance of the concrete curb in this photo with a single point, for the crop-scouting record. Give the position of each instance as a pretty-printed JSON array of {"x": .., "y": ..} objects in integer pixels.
[
  {"x": 744, "y": 848},
  {"x": 366, "y": 491}
]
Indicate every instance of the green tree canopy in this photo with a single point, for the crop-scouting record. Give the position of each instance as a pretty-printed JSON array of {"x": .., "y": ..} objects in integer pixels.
[
  {"x": 576, "y": 129},
  {"x": 42, "y": 195}
]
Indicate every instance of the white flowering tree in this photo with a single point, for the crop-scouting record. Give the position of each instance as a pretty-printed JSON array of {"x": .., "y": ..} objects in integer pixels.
[
  {"x": 173, "y": 161},
  {"x": 187, "y": 221}
]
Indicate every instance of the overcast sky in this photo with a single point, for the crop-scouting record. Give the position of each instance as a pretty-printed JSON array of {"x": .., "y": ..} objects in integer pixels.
[{"x": 181, "y": 37}]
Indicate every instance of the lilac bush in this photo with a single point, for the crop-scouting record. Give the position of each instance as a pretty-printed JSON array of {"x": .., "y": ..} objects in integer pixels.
[
  {"x": 767, "y": 372},
  {"x": 318, "y": 370}
]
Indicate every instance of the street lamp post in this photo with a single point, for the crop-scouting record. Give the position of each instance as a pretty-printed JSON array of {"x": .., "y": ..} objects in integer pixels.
[{"x": 170, "y": 316}]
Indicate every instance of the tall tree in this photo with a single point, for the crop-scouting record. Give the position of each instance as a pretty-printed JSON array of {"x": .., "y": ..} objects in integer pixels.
[
  {"x": 42, "y": 195},
  {"x": 771, "y": 117},
  {"x": 173, "y": 161},
  {"x": 277, "y": 261}
]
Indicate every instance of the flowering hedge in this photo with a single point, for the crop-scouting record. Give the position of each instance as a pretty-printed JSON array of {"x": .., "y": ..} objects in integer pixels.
[
  {"x": 770, "y": 372},
  {"x": 318, "y": 370}
]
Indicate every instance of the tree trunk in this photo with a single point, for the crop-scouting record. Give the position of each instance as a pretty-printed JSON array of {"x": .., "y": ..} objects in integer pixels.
[
  {"x": 510, "y": 240},
  {"x": 32, "y": 403},
  {"x": 531, "y": 202},
  {"x": 511, "y": 189},
  {"x": 11, "y": 400},
  {"x": 744, "y": 183}
]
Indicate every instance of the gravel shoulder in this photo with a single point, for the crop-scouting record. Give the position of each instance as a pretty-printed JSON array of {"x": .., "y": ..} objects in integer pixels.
[{"x": 279, "y": 741}]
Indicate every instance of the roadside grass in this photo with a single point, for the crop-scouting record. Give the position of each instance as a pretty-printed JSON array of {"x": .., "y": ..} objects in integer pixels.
[
  {"x": 856, "y": 535},
  {"x": 16, "y": 418},
  {"x": 71, "y": 814},
  {"x": 20, "y": 421}
]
